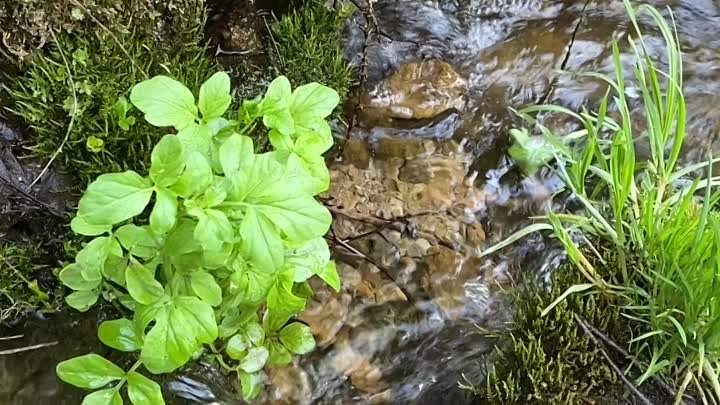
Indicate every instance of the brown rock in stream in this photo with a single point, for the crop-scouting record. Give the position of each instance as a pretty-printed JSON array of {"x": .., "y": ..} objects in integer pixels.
[{"x": 416, "y": 90}]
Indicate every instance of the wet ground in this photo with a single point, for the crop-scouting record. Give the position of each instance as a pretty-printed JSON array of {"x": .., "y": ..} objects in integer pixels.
[{"x": 420, "y": 185}]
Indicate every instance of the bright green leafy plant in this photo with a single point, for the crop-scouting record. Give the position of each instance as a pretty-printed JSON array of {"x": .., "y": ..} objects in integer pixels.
[{"x": 223, "y": 256}]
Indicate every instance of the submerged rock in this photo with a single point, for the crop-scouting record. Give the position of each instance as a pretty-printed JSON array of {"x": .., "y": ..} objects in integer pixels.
[{"x": 416, "y": 90}]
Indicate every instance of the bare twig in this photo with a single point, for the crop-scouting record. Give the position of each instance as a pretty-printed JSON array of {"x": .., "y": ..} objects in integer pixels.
[
  {"x": 25, "y": 194},
  {"x": 394, "y": 224},
  {"x": 272, "y": 38},
  {"x": 11, "y": 337},
  {"x": 72, "y": 117},
  {"x": 612, "y": 365},
  {"x": 370, "y": 260},
  {"x": 27, "y": 348},
  {"x": 637, "y": 363}
]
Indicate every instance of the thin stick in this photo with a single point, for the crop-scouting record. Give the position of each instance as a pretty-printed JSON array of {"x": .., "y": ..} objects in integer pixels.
[
  {"x": 272, "y": 38},
  {"x": 617, "y": 370},
  {"x": 641, "y": 366},
  {"x": 11, "y": 337},
  {"x": 374, "y": 263},
  {"x": 72, "y": 117},
  {"x": 27, "y": 348},
  {"x": 117, "y": 41},
  {"x": 30, "y": 197}
]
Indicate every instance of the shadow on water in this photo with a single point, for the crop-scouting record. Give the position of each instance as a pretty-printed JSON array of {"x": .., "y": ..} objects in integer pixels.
[{"x": 421, "y": 183}]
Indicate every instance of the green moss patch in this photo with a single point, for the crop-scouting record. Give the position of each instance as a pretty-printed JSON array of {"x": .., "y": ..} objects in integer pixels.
[
  {"x": 107, "y": 134},
  {"x": 24, "y": 281},
  {"x": 27, "y": 24},
  {"x": 549, "y": 359}
]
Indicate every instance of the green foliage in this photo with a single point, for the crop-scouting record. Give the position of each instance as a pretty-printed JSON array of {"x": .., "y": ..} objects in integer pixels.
[
  {"x": 548, "y": 359},
  {"x": 664, "y": 227},
  {"x": 107, "y": 133},
  {"x": 530, "y": 153},
  {"x": 19, "y": 290},
  {"x": 230, "y": 237},
  {"x": 309, "y": 48}
]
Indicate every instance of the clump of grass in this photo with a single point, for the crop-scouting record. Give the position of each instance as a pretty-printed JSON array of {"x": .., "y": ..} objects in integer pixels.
[
  {"x": 309, "y": 48},
  {"x": 549, "y": 360},
  {"x": 107, "y": 135},
  {"x": 650, "y": 211},
  {"x": 19, "y": 290}
]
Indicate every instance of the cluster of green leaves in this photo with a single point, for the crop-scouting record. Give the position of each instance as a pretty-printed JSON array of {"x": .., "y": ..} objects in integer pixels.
[
  {"x": 309, "y": 47},
  {"x": 548, "y": 360},
  {"x": 650, "y": 210},
  {"x": 227, "y": 248},
  {"x": 103, "y": 66}
]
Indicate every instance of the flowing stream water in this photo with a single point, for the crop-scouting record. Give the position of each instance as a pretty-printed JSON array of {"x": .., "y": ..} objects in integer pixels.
[{"x": 420, "y": 185}]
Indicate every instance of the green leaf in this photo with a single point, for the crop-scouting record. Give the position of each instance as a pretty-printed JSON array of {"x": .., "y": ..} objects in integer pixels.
[
  {"x": 164, "y": 212},
  {"x": 251, "y": 384},
  {"x": 143, "y": 391},
  {"x": 530, "y": 153},
  {"x": 275, "y": 106},
  {"x": 261, "y": 241},
  {"x": 571, "y": 290},
  {"x": 215, "y": 96},
  {"x": 330, "y": 275},
  {"x": 89, "y": 371},
  {"x": 94, "y": 144},
  {"x": 279, "y": 355},
  {"x": 235, "y": 319},
  {"x": 313, "y": 101},
  {"x": 311, "y": 168},
  {"x": 72, "y": 277},
  {"x": 233, "y": 152},
  {"x": 167, "y": 161},
  {"x": 109, "y": 396},
  {"x": 81, "y": 227},
  {"x": 113, "y": 198},
  {"x": 82, "y": 300},
  {"x": 278, "y": 195},
  {"x": 206, "y": 288},
  {"x": 114, "y": 269},
  {"x": 180, "y": 329},
  {"x": 196, "y": 138},
  {"x": 254, "y": 360},
  {"x": 141, "y": 284},
  {"x": 250, "y": 286},
  {"x": 280, "y": 141},
  {"x": 92, "y": 257},
  {"x": 213, "y": 229},
  {"x": 236, "y": 346},
  {"x": 297, "y": 338},
  {"x": 137, "y": 240},
  {"x": 180, "y": 239},
  {"x": 197, "y": 176},
  {"x": 255, "y": 333},
  {"x": 165, "y": 102},
  {"x": 314, "y": 140},
  {"x": 120, "y": 334},
  {"x": 307, "y": 259},
  {"x": 282, "y": 304}
]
